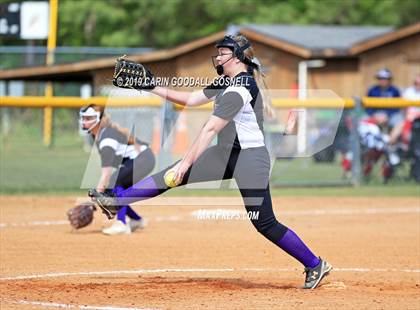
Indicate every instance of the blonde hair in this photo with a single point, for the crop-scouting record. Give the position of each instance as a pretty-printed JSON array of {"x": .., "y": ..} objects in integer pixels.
[
  {"x": 259, "y": 77},
  {"x": 106, "y": 122}
]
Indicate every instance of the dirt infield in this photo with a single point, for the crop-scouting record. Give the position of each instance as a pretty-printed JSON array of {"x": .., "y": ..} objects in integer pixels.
[{"x": 217, "y": 262}]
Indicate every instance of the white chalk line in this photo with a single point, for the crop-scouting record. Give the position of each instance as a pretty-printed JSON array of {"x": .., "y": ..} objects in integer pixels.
[
  {"x": 34, "y": 223},
  {"x": 214, "y": 214},
  {"x": 190, "y": 270},
  {"x": 369, "y": 211},
  {"x": 354, "y": 211},
  {"x": 69, "y": 306}
]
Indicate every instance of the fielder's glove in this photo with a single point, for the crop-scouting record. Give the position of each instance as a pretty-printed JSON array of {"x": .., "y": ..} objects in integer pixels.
[
  {"x": 81, "y": 215},
  {"x": 129, "y": 74}
]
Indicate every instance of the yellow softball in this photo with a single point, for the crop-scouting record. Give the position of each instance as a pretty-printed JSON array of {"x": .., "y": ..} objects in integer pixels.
[{"x": 169, "y": 178}]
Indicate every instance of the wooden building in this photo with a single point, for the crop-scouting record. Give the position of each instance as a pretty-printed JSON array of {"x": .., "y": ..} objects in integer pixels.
[{"x": 352, "y": 55}]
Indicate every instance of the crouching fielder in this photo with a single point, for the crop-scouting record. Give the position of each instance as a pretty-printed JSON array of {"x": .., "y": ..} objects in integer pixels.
[
  {"x": 240, "y": 152},
  {"x": 124, "y": 159}
]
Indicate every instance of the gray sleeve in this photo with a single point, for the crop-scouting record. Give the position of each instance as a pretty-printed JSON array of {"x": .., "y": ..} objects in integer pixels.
[
  {"x": 108, "y": 157},
  {"x": 228, "y": 105},
  {"x": 216, "y": 87}
]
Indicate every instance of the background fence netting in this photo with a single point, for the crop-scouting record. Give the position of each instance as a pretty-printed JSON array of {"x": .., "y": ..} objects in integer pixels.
[{"x": 27, "y": 165}]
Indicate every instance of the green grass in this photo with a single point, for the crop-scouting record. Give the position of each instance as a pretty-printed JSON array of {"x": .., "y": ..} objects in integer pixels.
[
  {"x": 27, "y": 167},
  {"x": 402, "y": 190},
  {"x": 304, "y": 171}
]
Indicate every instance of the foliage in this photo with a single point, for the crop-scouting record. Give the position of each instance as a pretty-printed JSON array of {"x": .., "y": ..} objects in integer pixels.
[{"x": 165, "y": 23}]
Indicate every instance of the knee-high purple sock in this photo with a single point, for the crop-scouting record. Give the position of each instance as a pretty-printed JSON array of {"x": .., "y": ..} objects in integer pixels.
[
  {"x": 127, "y": 211},
  {"x": 121, "y": 214},
  {"x": 143, "y": 189},
  {"x": 132, "y": 214},
  {"x": 294, "y": 246}
]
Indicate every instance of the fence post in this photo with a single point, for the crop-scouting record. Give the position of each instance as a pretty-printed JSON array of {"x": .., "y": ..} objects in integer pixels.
[
  {"x": 51, "y": 44},
  {"x": 48, "y": 117},
  {"x": 5, "y": 116},
  {"x": 355, "y": 143}
]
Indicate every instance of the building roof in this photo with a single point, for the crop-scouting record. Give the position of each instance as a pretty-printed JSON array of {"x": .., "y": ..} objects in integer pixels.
[
  {"x": 318, "y": 38},
  {"x": 384, "y": 39}
]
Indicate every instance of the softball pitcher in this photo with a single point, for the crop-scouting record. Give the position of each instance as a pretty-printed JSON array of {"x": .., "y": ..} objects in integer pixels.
[{"x": 240, "y": 153}]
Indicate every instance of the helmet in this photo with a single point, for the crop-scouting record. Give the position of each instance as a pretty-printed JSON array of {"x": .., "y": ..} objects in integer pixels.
[
  {"x": 384, "y": 74},
  {"x": 238, "y": 52},
  {"x": 89, "y": 111},
  {"x": 230, "y": 43}
]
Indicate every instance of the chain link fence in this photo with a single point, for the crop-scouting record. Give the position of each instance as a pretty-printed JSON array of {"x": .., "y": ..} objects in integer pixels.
[{"x": 27, "y": 165}]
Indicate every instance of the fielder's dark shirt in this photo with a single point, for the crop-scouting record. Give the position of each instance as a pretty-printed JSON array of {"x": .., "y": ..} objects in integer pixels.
[{"x": 113, "y": 147}]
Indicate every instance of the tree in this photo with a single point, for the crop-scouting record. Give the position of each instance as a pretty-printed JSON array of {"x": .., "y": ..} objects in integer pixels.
[{"x": 165, "y": 23}]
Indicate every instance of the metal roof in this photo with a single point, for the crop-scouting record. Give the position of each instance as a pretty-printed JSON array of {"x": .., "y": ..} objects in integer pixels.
[{"x": 320, "y": 37}]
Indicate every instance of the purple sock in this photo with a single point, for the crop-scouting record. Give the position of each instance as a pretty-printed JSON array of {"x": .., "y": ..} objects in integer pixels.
[
  {"x": 118, "y": 189},
  {"x": 294, "y": 246},
  {"x": 132, "y": 214},
  {"x": 121, "y": 214},
  {"x": 143, "y": 189},
  {"x": 127, "y": 210}
]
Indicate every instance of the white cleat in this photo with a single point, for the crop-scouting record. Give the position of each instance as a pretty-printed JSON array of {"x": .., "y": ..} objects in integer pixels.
[
  {"x": 118, "y": 228},
  {"x": 140, "y": 224}
]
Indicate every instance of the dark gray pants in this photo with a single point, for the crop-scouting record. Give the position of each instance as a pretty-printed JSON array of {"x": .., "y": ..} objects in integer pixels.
[{"x": 251, "y": 170}]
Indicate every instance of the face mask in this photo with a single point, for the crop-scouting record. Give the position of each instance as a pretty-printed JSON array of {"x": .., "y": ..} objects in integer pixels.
[{"x": 87, "y": 126}]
